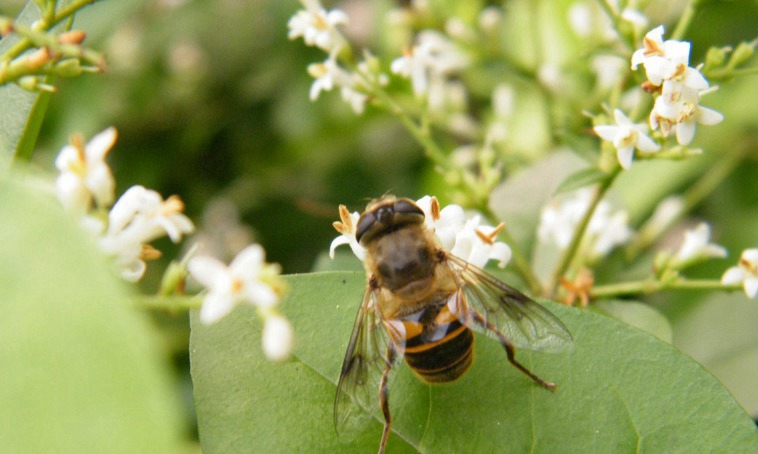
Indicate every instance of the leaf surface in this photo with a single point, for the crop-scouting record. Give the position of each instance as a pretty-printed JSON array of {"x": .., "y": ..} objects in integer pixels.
[{"x": 619, "y": 390}]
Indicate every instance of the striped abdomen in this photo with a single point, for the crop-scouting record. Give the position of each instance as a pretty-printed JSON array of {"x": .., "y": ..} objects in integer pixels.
[{"x": 436, "y": 345}]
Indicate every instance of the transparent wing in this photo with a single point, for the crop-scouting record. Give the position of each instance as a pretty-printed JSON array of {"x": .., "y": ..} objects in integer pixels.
[
  {"x": 522, "y": 320},
  {"x": 365, "y": 360}
]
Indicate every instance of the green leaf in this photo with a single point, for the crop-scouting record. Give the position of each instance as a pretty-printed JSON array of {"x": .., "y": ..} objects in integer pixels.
[
  {"x": 580, "y": 179},
  {"x": 720, "y": 333},
  {"x": 639, "y": 315},
  {"x": 619, "y": 390},
  {"x": 81, "y": 371}
]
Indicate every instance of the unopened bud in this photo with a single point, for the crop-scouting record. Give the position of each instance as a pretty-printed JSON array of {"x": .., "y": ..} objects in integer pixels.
[
  {"x": 741, "y": 54},
  {"x": 37, "y": 59},
  {"x": 68, "y": 68},
  {"x": 72, "y": 37},
  {"x": 34, "y": 84}
]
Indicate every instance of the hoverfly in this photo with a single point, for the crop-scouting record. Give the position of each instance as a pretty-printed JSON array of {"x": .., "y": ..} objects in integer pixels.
[{"x": 421, "y": 304}]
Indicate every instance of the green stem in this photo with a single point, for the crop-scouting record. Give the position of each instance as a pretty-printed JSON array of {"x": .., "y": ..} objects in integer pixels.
[
  {"x": 650, "y": 286},
  {"x": 174, "y": 303},
  {"x": 569, "y": 253},
  {"x": 728, "y": 73},
  {"x": 686, "y": 20}
]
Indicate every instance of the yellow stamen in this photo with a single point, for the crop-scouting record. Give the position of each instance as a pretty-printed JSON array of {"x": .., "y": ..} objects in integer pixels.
[
  {"x": 149, "y": 253},
  {"x": 490, "y": 239},
  {"x": 173, "y": 205},
  {"x": 435, "y": 209}
]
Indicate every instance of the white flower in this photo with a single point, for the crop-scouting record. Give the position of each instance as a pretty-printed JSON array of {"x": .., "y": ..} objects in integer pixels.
[
  {"x": 346, "y": 228},
  {"x": 608, "y": 70},
  {"x": 445, "y": 222},
  {"x": 634, "y": 17},
  {"x": 328, "y": 75},
  {"x": 476, "y": 244},
  {"x": 682, "y": 115},
  {"x": 317, "y": 26},
  {"x": 142, "y": 215},
  {"x": 605, "y": 230},
  {"x": 243, "y": 281},
  {"x": 746, "y": 272},
  {"x": 661, "y": 59},
  {"x": 433, "y": 56},
  {"x": 626, "y": 136},
  {"x": 84, "y": 173},
  {"x": 696, "y": 245},
  {"x": 277, "y": 338},
  {"x": 608, "y": 231},
  {"x": 139, "y": 216}
]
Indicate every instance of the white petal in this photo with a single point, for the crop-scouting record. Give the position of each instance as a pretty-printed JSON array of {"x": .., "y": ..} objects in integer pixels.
[
  {"x": 750, "y": 255},
  {"x": 101, "y": 184},
  {"x": 708, "y": 116},
  {"x": 261, "y": 295},
  {"x": 645, "y": 143},
  {"x": 695, "y": 80},
  {"x": 339, "y": 241},
  {"x": 751, "y": 287},
  {"x": 209, "y": 272},
  {"x": 248, "y": 262},
  {"x": 277, "y": 338},
  {"x": 733, "y": 275},
  {"x": 625, "y": 155},
  {"x": 215, "y": 306},
  {"x": 125, "y": 208},
  {"x": 607, "y": 132},
  {"x": 72, "y": 193},
  {"x": 100, "y": 144},
  {"x": 133, "y": 270},
  {"x": 502, "y": 253},
  {"x": 621, "y": 119},
  {"x": 685, "y": 132}
]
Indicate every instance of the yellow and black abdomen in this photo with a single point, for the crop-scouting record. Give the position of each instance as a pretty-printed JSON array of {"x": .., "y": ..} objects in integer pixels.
[{"x": 437, "y": 346}]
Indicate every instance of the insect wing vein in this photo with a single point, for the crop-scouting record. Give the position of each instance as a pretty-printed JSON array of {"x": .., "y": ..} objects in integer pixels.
[
  {"x": 522, "y": 320},
  {"x": 357, "y": 389}
]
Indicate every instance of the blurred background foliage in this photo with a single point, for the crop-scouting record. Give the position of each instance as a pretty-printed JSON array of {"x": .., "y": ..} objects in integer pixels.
[{"x": 211, "y": 102}]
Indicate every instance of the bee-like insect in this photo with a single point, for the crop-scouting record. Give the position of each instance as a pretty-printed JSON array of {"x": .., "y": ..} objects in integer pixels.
[{"x": 427, "y": 302}]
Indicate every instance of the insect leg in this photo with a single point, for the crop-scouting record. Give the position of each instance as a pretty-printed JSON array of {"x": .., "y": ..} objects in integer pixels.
[
  {"x": 384, "y": 396},
  {"x": 510, "y": 350}
]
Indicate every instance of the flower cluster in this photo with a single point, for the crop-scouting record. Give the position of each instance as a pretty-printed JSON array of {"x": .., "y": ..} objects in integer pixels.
[
  {"x": 677, "y": 107},
  {"x": 677, "y": 87},
  {"x": 430, "y": 62},
  {"x": 247, "y": 280},
  {"x": 318, "y": 27},
  {"x": 463, "y": 237},
  {"x": 86, "y": 185},
  {"x": 745, "y": 273},
  {"x": 606, "y": 229}
]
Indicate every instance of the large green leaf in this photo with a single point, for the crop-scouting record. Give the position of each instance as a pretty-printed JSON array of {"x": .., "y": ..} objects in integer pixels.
[
  {"x": 619, "y": 390},
  {"x": 80, "y": 371}
]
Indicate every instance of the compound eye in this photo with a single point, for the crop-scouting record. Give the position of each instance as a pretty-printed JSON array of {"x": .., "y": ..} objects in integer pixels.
[
  {"x": 366, "y": 222},
  {"x": 407, "y": 212},
  {"x": 405, "y": 206}
]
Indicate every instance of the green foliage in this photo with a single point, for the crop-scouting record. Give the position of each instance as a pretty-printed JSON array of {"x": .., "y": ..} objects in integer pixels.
[
  {"x": 619, "y": 390},
  {"x": 81, "y": 370},
  {"x": 22, "y": 111}
]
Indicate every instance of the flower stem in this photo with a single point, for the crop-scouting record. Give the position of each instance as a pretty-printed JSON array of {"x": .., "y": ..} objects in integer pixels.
[
  {"x": 569, "y": 253},
  {"x": 686, "y": 20},
  {"x": 173, "y": 303},
  {"x": 651, "y": 285}
]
